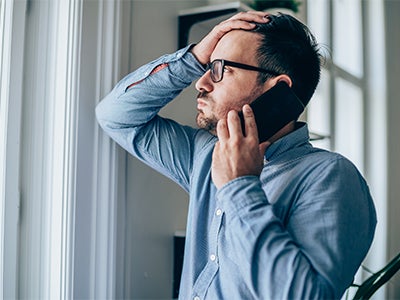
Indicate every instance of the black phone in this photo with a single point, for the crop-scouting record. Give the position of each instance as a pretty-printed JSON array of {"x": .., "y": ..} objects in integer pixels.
[{"x": 274, "y": 109}]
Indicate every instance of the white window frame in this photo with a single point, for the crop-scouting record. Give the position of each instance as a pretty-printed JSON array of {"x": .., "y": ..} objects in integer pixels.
[
  {"x": 11, "y": 45},
  {"x": 66, "y": 206}
]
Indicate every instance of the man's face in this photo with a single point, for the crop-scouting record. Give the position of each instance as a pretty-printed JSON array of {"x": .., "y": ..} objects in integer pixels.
[{"x": 238, "y": 86}]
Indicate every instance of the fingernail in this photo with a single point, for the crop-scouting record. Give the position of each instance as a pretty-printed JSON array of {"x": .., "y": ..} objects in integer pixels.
[{"x": 246, "y": 108}]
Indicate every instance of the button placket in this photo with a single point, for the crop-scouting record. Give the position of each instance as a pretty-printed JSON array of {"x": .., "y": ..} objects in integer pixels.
[{"x": 217, "y": 221}]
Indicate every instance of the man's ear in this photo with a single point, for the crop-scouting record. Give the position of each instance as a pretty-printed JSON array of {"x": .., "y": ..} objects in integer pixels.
[{"x": 283, "y": 77}]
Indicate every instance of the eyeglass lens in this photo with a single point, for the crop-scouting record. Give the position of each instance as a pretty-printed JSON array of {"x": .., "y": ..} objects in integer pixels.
[{"x": 216, "y": 70}]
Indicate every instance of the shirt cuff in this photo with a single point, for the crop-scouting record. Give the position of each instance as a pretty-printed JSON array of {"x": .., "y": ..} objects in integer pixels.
[
  {"x": 192, "y": 68},
  {"x": 241, "y": 194}
]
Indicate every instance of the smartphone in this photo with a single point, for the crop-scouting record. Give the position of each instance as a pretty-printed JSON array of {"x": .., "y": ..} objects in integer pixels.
[{"x": 274, "y": 109}]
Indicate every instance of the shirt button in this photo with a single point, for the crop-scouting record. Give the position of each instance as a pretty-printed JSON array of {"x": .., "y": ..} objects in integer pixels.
[
  {"x": 218, "y": 212},
  {"x": 196, "y": 298},
  {"x": 213, "y": 257}
]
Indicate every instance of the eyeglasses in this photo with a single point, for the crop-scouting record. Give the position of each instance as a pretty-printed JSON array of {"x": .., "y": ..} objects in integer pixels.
[{"x": 217, "y": 68}]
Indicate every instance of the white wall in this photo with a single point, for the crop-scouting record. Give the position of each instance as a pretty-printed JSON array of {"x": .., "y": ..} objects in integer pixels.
[
  {"x": 156, "y": 207},
  {"x": 392, "y": 24}
]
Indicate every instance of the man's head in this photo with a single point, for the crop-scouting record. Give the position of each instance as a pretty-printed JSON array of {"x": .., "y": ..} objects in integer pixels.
[
  {"x": 288, "y": 47},
  {"x": 283, "y": 46}
]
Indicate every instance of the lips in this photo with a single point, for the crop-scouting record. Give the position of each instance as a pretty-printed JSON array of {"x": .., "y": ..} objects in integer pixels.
[
  {"x": 201, "y": 104},
  {"x": 201, "y": 101}
]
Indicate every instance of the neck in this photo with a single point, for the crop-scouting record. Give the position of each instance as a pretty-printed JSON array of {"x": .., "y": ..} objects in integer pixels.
[{"x": 288, "y": 128}]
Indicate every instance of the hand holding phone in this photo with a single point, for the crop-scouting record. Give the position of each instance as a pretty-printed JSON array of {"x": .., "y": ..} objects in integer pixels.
[{"x": 274, "y": 109}]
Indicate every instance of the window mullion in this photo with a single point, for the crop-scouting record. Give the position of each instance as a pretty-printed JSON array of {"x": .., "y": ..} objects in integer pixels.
[{"x": 12, "y": 28}]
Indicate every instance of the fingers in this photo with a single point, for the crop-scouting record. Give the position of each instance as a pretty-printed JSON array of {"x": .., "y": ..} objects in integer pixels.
[
  {"x": 231, "y": 127},
  {"x": 232, "y": 24},
  {"x": 251, "y": 16},
  {"x": 249, "y": 121},
  {"x": 243, "y": 20},
  {"x": 263, "y": 147},
  {"x": 236, "y": 155},
  {"x": 234, "y": 126},
  {"x": 222, "y": 130}
]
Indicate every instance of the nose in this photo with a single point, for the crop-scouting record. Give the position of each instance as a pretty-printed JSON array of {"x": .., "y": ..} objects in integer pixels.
[{"x": 205, "y": 84}]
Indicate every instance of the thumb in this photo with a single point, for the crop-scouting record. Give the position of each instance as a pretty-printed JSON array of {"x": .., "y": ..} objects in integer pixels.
[{"x": 263, "y": 147}]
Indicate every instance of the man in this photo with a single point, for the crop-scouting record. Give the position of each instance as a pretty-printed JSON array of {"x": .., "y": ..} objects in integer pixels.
[{"x": 276, "y": 220}]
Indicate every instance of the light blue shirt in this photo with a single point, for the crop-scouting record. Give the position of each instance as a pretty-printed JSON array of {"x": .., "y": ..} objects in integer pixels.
[{"x": 299, "y": 231}]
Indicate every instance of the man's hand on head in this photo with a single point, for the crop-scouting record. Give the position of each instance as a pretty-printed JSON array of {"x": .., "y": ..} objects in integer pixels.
[
  {"x": 243, "y": 20},
  {"x": 237, "y": 154}
]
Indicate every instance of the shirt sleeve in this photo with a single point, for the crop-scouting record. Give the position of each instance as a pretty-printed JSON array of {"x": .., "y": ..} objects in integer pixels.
[
  {"x": 315, "y": 254},
  {"x": 128, "y": 114}
]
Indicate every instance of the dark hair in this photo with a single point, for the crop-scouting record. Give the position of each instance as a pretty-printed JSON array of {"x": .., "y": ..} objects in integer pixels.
[{"x": 288, "y": 47}]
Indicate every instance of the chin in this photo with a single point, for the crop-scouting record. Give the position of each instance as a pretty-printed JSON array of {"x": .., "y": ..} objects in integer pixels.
[{"x": 206, "y": 123}]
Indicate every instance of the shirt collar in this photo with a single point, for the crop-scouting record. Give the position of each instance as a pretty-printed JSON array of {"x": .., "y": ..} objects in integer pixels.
[{"x": 299, "y": 136}]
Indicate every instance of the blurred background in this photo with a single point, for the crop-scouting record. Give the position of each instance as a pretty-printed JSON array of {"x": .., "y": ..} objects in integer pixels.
[{"x": 81, "y": 219}]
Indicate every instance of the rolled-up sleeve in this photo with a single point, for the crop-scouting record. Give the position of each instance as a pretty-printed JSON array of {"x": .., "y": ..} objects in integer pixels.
[{"x": 128, "y": 114}]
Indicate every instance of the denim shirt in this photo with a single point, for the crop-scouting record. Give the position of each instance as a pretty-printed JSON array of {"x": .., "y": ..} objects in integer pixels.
[{"x": 299, "y": 231}]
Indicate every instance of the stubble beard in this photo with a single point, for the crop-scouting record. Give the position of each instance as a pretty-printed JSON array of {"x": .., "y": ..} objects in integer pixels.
[
  {"x": 209, "y": 124},
  {"x": 204, "y": 122}
]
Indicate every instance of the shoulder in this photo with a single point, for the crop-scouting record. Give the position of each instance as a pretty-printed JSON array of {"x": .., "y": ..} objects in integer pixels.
[{"x": 328, "y": 160}]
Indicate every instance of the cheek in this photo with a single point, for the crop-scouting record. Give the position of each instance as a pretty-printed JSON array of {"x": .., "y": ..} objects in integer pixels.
[
  {"x": 235, "y": 101},
  {"x": 233, "y": 96},
  {"x": 220, "y": 110},
  {"x": 228, "y": 101}
]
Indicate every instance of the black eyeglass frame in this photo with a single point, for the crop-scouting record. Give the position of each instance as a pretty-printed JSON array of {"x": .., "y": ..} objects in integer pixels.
[{"x": 236, "y": 65}]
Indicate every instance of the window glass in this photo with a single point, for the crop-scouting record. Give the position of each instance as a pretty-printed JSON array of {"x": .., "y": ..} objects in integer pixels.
[
  {"x": 317, "y": 16},
  {"x": 318, "y": 112},
  {"x": 347, "y": 36},
  {"x": 349, "y": 134},
  {"x": 2, "y": 16}
]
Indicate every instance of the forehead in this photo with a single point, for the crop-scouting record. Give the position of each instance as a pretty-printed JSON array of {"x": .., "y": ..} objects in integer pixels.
[{"x": 237, "y": 45}]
